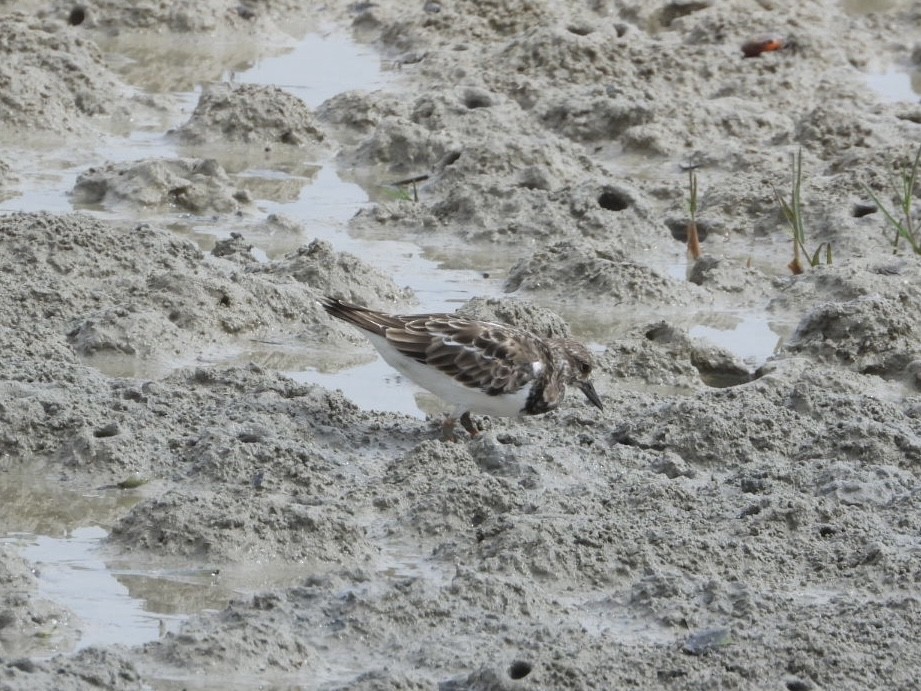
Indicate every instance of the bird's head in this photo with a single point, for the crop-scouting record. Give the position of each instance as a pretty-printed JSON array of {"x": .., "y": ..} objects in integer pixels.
[{"x": 579, "y": 364}]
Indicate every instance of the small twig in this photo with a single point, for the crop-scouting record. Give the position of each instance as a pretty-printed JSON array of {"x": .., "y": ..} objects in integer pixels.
[{"x": 693, "y": 238}]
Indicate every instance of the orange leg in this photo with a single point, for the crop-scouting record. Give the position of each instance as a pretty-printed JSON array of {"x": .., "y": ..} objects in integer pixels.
[
  {"x": 447, "y": 429},
  {"x": 469, "y": 425}
]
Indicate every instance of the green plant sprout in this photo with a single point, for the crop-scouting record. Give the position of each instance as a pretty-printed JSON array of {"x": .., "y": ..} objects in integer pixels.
[
  {"x": 904, "y": 188},
  {"x": 793, "y": 213},
  {"x": 396, "y": 194},
  {"x": 404, "y": 185}
]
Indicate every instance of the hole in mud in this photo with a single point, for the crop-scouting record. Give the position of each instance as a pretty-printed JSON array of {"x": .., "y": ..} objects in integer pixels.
[
  {"x": 449, "y": 159},
  {"x": 109, "y": 430},
  {"x": 580, "y": 29},
  {"x": 613, "y": 200},
  {"x": 519, "y": 669},
  {"x": 675, "y": 11},
  {"x": 826, "y": 531},
  {"x": 476, "y": 99},
  {"x": 77, "y": 16},
  {"x": 724, "y": 378},
  {"x": 861, "y": 210},
  {"x": 679, "y": 229},
  {"x": 662, "y": 333}
]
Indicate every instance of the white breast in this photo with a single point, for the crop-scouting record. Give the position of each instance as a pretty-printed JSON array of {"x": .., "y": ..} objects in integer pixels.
[{"x": 463, "y": 398}]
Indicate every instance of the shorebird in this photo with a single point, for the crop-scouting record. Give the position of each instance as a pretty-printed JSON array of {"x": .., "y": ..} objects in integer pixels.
[{"x": 477, "y": 366}]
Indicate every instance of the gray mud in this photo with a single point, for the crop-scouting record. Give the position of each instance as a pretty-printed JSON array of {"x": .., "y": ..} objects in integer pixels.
[{"x": 725, "y": 522}]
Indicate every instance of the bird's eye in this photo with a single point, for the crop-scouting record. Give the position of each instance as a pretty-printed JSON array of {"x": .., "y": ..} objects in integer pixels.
[{"x": 585, "y": 368}]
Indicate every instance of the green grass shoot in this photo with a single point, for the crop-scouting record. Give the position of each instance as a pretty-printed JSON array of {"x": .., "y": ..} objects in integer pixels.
[
  {"x": 903, "y": 188},
  {"x": 793, "y": 213}
]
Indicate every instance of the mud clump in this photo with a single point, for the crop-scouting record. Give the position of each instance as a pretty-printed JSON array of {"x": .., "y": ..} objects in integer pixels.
[
  {"x": 250, "y": 114},
  {"x": 195, "y": 185},
  {"x": 53, "y": 79}
]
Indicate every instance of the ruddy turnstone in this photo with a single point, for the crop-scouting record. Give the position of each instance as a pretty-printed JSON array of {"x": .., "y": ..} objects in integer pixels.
[{"x": 478, "y": 366}]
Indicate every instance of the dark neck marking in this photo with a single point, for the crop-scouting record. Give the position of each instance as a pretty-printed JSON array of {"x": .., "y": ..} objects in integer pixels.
[{"x": 536, "y": 403}]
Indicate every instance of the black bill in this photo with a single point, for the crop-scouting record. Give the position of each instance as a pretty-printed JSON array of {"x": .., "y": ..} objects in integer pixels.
[{"x": 591, "y": 394}]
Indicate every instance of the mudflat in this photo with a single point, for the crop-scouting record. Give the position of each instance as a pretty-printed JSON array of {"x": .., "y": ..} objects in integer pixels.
[{"x": 737, "y": 517}]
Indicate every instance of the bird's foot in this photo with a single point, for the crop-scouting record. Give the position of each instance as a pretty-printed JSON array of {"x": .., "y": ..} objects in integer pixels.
[
  {"x": 470, "y": 425},
  {"x": 449, "y": 423},
  {"x": 447, "y": 429}
]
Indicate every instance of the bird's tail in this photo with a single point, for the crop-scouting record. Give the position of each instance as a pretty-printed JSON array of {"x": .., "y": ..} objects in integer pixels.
[{"x": 362, "y": 317}]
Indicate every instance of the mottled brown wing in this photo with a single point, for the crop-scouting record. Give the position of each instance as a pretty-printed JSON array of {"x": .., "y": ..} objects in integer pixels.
[
  {"x": 490, "y": 357},
  {"x": 411, "y": 337},
  {"x": 481, "y": 355}
]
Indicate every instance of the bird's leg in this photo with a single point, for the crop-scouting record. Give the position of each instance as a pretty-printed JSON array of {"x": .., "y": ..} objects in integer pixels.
[
  {"x": 447, "y": 429},
  {"x": 469, "y": 425}
]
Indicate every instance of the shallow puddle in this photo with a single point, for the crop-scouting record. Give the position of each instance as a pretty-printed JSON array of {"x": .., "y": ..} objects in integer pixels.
[
  {"x": 896, "y": 85},
  {"x": 58, "y": 532},
  {"x": 305, "y": 72},
  {"x": 893, "y": 83},
  {"x": 71, "y": 572},
  {"x": 111, "y": 597},
  {"x": 371, "y": 386},
  {"x": 750, "y": 337}
]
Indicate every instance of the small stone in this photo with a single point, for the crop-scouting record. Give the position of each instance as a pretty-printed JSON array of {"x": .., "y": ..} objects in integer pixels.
[{"x": 672, "y": 466}]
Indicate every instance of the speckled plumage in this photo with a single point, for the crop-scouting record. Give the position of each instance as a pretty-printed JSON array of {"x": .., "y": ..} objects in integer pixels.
[{"x": 478, "y": 366}]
